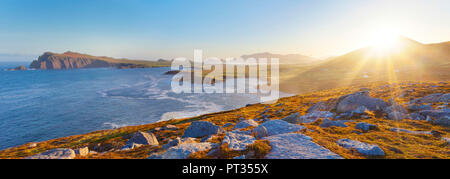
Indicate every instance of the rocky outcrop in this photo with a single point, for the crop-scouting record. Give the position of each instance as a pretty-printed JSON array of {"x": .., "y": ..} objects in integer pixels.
[
  {"x": 361, "y": 147},
  {"x": 353, "y": 101},
  {"x": 201, "y": 129},
  {"x": 139, "y": 139},
  {"x": 55, "y": 154},
  {"x": 178, "y": 141},
  {"x": 72, "y": 60},
  {"x": 19, "y": 68},
  {"x": 366, "y": 127},
  {"x": 297, "y": 146}
]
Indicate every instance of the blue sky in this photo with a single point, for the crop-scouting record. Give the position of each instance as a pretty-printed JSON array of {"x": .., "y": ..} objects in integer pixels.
[{"x": 150, "y": 29}]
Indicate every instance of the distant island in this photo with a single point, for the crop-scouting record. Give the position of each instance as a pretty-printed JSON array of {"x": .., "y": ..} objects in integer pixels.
[{"x": 73, "y": 60}]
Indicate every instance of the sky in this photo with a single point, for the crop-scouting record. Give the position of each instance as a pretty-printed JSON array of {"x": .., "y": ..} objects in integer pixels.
[{"x": 152, "y": 29}]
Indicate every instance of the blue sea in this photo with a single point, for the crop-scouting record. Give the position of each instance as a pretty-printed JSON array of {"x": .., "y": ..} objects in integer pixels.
[{"x": 38, "y": 105}]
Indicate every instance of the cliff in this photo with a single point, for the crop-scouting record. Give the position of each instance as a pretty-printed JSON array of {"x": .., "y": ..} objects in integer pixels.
[{"x": 72, "y": 60}]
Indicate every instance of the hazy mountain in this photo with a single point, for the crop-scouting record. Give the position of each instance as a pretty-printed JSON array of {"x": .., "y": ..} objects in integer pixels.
[
  {"x": 284, "y": 59},
  {"x": 407, "y": 59}
]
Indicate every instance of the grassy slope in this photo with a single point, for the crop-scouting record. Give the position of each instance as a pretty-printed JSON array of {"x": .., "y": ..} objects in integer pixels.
[{"x": 396, "y": 145}]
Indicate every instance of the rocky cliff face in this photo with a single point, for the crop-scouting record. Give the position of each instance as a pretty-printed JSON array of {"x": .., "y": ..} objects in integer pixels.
[{"x": 71, "y": 60}]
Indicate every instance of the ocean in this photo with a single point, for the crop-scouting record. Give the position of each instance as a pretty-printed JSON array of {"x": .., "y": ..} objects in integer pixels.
[{"x": 38, "y": 105}]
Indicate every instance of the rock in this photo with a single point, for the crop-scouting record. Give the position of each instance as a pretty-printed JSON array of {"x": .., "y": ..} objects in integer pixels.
[
  {"x": 409, "y": 131},
  {"x": 183, "y": 151},
  {"x": 366, "y": 127},
  {"x": 433, "y": 98},
  {"x": 170, "y": 127},
  {"x": 245, "y": 124},
  {"x": 416, "y": 116},
  {"x": 178, "y": 141},
  {"x": 32, "y": 145},
  {"x": 397, "y": 116},
  {"x": 239, "y": 157},
  {"x": 308, "y": 118},
  {"x": 326, "y": 123},
  {"x": 353, "y": 101},
  {"x": 328, "y": 105},
  {"x": 19, "y": 68},
  {"x": 55, "y": 154},
  {"x": 446, "y": 140},
  {"x": 444, "y": 121},
  {"x": 360, "y": 110},
  {"x": 437, "y": 114},
  {"x": 131, "y": 146},
  {"x": 275, "y": 127},
  {"x": 143, "y": 138},
  {"x": 260, "y": 132},
  {"x": 238, "y": 142},
  {"x": 228, "y": 125},
  {"x": 201, "y": 129},
  {"x": 361, "y": 147},
  {"x": 395, "y": 108},
  {"x": 297, "y": 146},
  {"x": 82, "y": 151},
  {"x": 416, "y": 107}
]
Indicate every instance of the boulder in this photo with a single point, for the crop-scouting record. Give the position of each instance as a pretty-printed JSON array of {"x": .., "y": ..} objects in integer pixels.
[
  {"x": 353, "y": 101},
  {"x": 410, "y": 131},
  {"x": 55, "y": 154},
  {"x": 297, "y": 146},
  {"x": 143, "y": 138},
  {"x": 170, "y": 127},
  {"x": 82, "y": 151},
  {"x": 260, "y": 132},
  {"x": 326, "y": 123},
  {"x": 245, "y": 124},
  {"x": 183, "y": 151},
  {"x": 437, "y": 113},
  {"x": 201, "y": 129},
  {"x": 307, "y": 118},
  {"x": 238, "y": 142},
  {"x": 361, "y": 147},
  {"x": 328, "y": 105},
  {"x": 366, "y": 127},
  {"x": 433, "y": 98},
  {"x": 293, "y": 118},
  {"x": 275, "y": 127}
]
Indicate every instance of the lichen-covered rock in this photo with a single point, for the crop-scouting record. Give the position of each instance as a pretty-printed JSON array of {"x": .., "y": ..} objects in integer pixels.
[
  {"x": 201, "y": 129},
  {"x": 238, "y": 142},
  {"x": 275, "y": 127},
  {"x": 353, "y": 101},
  {"x": 329, "y": 123},
  {"x": 82, "y": 151},
  {"x": 143, "y": 138},
  {"x": 397, "y": 116},
  {"x": 55, "y": 154},
  {"x": 419, "y": 107},
  {"x": 260, "y": 132},
  {"x": 361, "y": 147},
  {"x": 183, "y": 151},
  {"x": 245, "y": 124},
  {"x": 366, "y": 127},
  {"x": 297, "y": 146}
]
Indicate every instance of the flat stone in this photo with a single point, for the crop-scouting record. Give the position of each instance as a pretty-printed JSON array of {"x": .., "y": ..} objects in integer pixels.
[
  {"x": 201, "y": 129},
  {"x": 361, "y": 147},
  {"x": 275, "y": 127},
  {"x": 55, "y": 154},
  {"x": 238, "y": 142},
  {"x": 297, "y": 146}
]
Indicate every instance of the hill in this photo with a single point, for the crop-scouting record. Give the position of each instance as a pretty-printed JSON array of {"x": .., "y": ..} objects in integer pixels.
[
  {"x": 408, "y": 60},
  {"x": 72, "y": 60},
  {"x": 284, "y": 59}
]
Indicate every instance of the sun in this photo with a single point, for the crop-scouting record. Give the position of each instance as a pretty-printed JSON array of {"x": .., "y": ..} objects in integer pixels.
[{"x": 385, "y": 40}]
